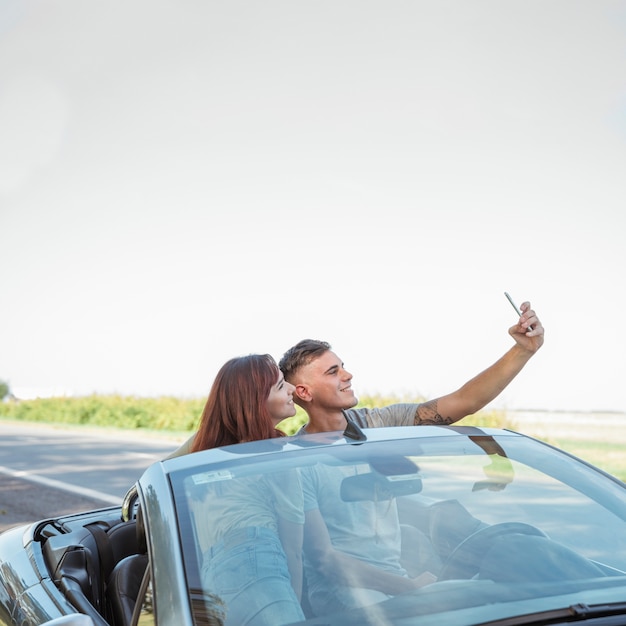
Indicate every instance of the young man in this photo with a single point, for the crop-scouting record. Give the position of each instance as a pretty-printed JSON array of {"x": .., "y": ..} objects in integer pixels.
[
  {"x": 366, "y": 568},
  {"x": 323, "y": 386}
]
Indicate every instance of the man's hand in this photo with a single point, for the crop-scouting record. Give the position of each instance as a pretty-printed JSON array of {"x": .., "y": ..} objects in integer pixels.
[
  {"x": 425, "y": 578},
  {"x": 530, "y": 340}
]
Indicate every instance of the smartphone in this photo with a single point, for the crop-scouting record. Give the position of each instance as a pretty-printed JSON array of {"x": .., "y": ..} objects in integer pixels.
[{"x": 508, "y": 297}]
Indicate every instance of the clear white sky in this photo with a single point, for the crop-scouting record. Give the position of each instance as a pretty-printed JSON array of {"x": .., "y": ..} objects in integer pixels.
[{"x": 183, "y": 182}]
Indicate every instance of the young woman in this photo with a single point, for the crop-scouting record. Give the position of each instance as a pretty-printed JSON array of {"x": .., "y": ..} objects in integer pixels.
[
  {"x": 248, "y": 399},
  {"x": 252, "y": 554}
]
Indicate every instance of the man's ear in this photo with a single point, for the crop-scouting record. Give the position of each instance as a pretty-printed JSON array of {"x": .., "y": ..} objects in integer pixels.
[{"x": 303, "y": 394}]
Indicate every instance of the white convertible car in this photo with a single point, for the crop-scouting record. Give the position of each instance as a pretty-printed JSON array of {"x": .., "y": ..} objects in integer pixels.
[{"x": 499, "y": 528}]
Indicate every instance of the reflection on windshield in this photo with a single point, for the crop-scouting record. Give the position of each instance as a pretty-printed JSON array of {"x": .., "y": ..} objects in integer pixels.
[
  {"x": 393, "y": 528},
  {"x": 499, "y": 472}
]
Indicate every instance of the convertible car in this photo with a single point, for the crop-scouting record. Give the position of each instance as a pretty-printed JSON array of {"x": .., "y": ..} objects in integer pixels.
[{"x": 478, "y": 526}]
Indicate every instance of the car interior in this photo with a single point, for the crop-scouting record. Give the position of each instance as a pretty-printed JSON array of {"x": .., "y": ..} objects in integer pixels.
[{"x": 99, "y": 567}]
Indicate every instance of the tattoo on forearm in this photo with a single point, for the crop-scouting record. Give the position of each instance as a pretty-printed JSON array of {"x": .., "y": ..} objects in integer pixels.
[{"x": 426, "y": 413}]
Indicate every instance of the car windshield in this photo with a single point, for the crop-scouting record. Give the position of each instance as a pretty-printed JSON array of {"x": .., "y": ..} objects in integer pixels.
[{"x": 466, "y": 523}]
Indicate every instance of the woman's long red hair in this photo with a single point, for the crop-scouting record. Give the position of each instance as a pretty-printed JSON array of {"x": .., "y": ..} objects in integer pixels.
[{"x": 236, "y": 409}]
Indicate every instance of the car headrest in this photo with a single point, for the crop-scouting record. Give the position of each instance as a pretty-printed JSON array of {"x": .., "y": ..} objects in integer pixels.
[{"x": 140, "y": 529}]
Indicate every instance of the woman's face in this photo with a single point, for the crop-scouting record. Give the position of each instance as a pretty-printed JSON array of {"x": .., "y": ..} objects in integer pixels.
[{"x": 280, "y": 401}]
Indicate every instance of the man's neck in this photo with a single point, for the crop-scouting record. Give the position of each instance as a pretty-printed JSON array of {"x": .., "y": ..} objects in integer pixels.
[{"x": 326, "y": 421}]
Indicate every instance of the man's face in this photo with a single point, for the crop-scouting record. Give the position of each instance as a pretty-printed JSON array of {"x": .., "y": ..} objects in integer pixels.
[{"x": 325, "y": 383}]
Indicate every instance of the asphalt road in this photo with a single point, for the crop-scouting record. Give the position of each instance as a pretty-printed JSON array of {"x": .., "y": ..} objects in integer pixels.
[{"x": 49, "y": 471}]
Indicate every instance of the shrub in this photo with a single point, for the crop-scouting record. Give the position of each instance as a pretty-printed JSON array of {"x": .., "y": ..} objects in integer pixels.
[
  {"x": 114, "y": 411},
  {"x": 168, "y": 413}
]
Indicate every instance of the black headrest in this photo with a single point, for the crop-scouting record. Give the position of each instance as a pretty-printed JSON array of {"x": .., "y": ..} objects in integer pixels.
[{"x": 142, "y": 541}]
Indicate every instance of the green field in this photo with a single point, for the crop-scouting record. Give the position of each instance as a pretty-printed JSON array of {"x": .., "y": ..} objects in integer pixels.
[{"x": 598, "y": 438}]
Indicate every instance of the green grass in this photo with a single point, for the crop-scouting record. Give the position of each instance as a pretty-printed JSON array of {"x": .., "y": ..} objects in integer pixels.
[
  {"x": 605, "y": 455},
  {"x": 128, "y": 412}
]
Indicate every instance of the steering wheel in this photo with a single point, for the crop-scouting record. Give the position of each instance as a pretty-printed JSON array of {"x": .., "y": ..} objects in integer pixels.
[{"x": 464, "y": 560}]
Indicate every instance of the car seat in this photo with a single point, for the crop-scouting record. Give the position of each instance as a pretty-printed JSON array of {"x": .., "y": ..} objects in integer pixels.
[{"x": 126, "y": 579}]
